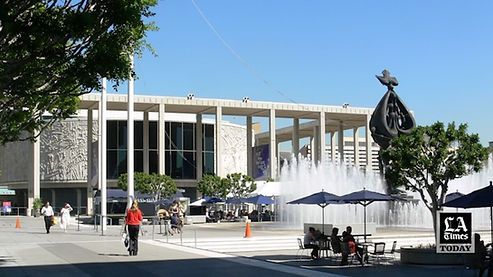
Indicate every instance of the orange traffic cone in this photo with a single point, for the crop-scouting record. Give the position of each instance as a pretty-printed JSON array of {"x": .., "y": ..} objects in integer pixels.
[
  {"x": 18, "y": 224},
  {"x": 248, "y": 233}
]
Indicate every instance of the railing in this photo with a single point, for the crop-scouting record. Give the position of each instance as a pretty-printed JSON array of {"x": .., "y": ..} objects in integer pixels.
[{"x": 14, "y": 211}]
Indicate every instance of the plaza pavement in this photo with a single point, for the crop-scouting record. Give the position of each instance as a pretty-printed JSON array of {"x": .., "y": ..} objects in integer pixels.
[{"x": 216, "y": 249}]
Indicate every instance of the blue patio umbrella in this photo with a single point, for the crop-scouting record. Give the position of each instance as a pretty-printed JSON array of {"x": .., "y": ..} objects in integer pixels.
[
  {"x": 366, "y": 197},
  {"x": 320, "y": 198},
  {"x": 480, "y": 198},
  {"x": 213, "y": 200},
  {"x": 235, "y": 200},
  {"x": 452, "y": 196},
  {"x": 163, "y": 202},
  {"x": 260, "y": 200}
]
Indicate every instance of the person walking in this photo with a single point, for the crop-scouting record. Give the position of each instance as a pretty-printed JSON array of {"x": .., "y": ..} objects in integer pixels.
[
  {"x": 133, "y": 219},
  {"x": 48, "y": 213},
  {"x": 65, "y": 217}
]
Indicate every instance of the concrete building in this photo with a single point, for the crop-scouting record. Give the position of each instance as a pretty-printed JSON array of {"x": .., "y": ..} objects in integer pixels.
[{"x": 63, "y": 163}]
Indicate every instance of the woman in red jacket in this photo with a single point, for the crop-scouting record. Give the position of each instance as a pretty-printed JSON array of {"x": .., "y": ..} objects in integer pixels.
[{"x": 134, "y": 217}]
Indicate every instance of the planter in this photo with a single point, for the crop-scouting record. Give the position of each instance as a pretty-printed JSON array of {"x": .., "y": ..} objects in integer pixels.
[{"x": 428, "y": 256}]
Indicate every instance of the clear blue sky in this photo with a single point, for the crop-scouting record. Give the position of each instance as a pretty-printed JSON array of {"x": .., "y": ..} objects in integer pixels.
[{"x": 328, "y": 52}]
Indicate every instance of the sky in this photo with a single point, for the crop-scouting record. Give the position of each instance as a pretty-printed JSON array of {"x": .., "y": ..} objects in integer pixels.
[{"x": 328, "y": 52}]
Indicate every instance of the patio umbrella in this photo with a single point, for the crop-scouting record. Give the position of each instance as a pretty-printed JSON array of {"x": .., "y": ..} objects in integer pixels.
[
  {"x": 259, "y": 200},
  {"x": 213, "y": 200},
  {"x": 480, "y": 198},
  {"x": 163, "y": 202},
  {"x": 366, "y": 197},
  {"x": 452, "y": 196},
  {"x": 320, "y": 198},
  {"x": 235, "y": 200}
]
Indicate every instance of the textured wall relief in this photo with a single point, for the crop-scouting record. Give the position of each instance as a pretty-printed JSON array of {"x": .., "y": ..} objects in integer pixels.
[
  {"x": 234, "y": 156},
  {"x": 64, "y": 151}
]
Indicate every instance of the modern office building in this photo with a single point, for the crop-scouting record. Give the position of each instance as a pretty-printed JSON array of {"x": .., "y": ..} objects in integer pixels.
[{"x": 174, "y": 136}]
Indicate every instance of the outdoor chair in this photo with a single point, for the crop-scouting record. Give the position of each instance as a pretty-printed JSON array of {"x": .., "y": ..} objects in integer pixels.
[
  {"x": 324, "y": 246},
  {"x": 391, "y": 252},
  {"x": 301, "y": 249},
  {"x": 378, "y": 251}
]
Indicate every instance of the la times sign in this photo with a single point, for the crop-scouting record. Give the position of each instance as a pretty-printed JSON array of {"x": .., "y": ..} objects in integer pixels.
[{"x": 454, "y": 233}]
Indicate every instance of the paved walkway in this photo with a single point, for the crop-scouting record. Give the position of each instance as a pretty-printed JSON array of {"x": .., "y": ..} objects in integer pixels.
[{"x": 203, "y": 249}]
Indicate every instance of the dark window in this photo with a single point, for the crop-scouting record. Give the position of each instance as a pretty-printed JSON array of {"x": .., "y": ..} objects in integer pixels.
[
  {"x": 122, "y": 162},
  {"x": 167, "y": 163},
  {"x": 189, "y": 165},
  {"x": 138, "y": 135},
  {"x": 167, "y": 135},
  {"x": 138, "y": 161},
  {"x": 152, "y": 135},
  {"x": 208, "y": 160},
  {"x": 111, "y": 132},
  {"x": 188, "y": 136},
  {"x": 122, "y": 134},
  {"x": 208, "y": 137},
  {"x": 153, "y": 162},
  {"x": 111, "y": 162},
  {"x": 176, "y": 165},
  {"x": 176, "y": 135}
]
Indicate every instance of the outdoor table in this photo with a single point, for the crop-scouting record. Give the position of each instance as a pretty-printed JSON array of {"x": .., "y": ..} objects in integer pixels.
[
  {"x": 364, "y": 245},
  {"x": 324, "y": 245}
]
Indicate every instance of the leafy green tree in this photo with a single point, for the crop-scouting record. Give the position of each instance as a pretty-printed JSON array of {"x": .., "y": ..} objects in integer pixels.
[
  {"x": 427, "y": 159},
  {"x": 53, "y": 51},
  {"x": 241, "y": 184},
  {"x": 214, "y": 186},
  {"x": 161, "y": 186}
]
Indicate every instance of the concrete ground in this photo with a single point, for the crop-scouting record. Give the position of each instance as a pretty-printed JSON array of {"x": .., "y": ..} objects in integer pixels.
[{"x": 202, "y": 249}]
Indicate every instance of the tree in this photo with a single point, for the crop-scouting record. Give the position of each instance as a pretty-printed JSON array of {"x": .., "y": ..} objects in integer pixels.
[
  {"x": 214, "y": 186},
  {"x": 161, "y": 186},
  {"x": 241, "y": 185},
  {"x": 427, "y": 159},
  {"x": 53, "y": 51}
]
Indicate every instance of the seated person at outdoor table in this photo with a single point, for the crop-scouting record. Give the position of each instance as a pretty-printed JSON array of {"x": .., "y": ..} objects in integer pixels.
[
  {"x": 309, "y": 242},
  {"x": 335, "y": 242},
  {"x": 353, "y": 248}
]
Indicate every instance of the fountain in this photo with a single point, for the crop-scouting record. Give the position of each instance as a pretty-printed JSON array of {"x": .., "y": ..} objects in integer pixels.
[{"x": 303, "y": 178}]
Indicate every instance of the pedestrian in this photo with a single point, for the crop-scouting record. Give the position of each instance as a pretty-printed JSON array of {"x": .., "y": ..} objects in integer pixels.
[
  {"x": 65, "y": 217},
  {"x": 48, "y": 213},
  {"x": 134, "y": 217}
]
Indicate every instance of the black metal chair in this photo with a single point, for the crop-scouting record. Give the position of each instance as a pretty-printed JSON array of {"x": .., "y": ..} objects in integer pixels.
[
  {"x": 378, "y": 251},
  {"x": 301, "y": 249}
]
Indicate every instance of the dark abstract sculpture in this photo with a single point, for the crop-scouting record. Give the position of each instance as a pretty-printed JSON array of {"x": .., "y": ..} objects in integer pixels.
[{"x": 391, "y": 118}]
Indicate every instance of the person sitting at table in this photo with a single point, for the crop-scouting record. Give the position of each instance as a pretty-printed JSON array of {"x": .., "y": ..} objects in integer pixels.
[
  {"x": 335, "y": 241},
  {"x": 309, "y": 242},
  {"x": 353, "y": 247}
]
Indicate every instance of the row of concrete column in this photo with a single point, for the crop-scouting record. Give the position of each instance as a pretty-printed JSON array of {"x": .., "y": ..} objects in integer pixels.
[{"x": 318, "y": 149}]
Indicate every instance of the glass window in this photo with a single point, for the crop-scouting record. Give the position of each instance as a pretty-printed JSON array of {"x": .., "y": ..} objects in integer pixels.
[
  {"x": 176, "y": 135},
  {"x": 111, "y": 132},
  {"x": 153, "y": 162},
  {"x": 111, "y": 164},
  {"x": 208, "y": 160},
  {"x": 122, "y": 162},
  {"x": 167, "y": 135},
  {"x": 138, "y": 135},
  {"x": 208, "y": 137},
  {"x": 122, "y": 134},
  {"x": 138, "y": 161},
  {"x": 152, "y": 135},
  {"x": 167, "y": 163},
  {"x": 189, "y": 165},
  {"x": 176, "y": 164},
  {"x": 188, "y": 136}
]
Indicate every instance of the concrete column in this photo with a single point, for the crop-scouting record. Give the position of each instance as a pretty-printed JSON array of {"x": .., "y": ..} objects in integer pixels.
[
  {"x": 272, "y": 144},
  {"x": 90, "y": 209},
  {"x": 295, "y": 142},
  {"x": 33, "y": 181},
  {"x": 369, "y": 141},
  {"x": 321, "y": 135},
  {"x": 278, "y": 155},
  {"x": 340, "y": 137},
  {"x": 79, "y": 199},
  {"x": 219, "y": 137},
  {"x": 199, "y": 147},
  {"x": 145, "y": 139},
  {"x": 53, "y": 199},
  {"x": 333, "y": 147},
  {"x": 161, "y": 146},
  {"x": 314, "y": 145},
  {"x": 249, "y": 138},
  {"x": 356, "y": 147}
]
